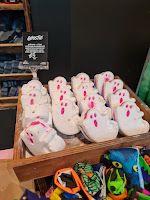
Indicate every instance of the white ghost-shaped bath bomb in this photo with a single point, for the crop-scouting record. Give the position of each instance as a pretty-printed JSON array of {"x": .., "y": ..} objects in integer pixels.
[
  {"x": 33, "y": 97},
  {"x": 32, "y": 112},
  {"x": 95, "y": 101},
  {"x": 129, "y": 119},
  {"x": 119, "y": 97},
  {"x": 58, "y": 83},
  {"x": 111, "y": 87},
  {"x": 37, "y": 85},
  {"x": 84, "y": 90},
  {"x": 41, "y": 139},
  {"x": 80, "y": 78},
  {"x": 100, "y": 79},
  {"x": 33, "y": 84},
  {"x": 96, "y": 127},
  {"x": 66, "y": 117},
  {"x": 63, "y": 94}
]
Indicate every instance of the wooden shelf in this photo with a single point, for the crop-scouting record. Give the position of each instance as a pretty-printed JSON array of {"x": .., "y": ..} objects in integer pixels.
[
  {"x": 47, "y": 164},
  {"x": 4, "y": 6},
  {"x": 14, "y": 48},
  {"x": 18, "y": 76},
  {"x": 8, "y": 102}
]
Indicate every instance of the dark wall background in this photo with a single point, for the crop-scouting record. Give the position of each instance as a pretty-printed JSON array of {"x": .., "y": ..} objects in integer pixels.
[
  {"x": 94, "y": 36},
  {"x": 110, "y": 35},
  {"x": 7, "y": 128},
  {"x": 54, "y": 16}
]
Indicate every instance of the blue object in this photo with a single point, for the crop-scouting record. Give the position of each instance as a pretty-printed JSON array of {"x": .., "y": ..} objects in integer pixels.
[
  {"x": 70, "y": 196},
  {"x": 15, "y": 64},
  {"x": 128, "y": 159},
  {"x": 31, "y": 196},
  {"x": 4, "y": 92},
  {"x": 14, "y": 70},
  {"x": 7, "y": 65},
  {"x": 13, "y": 91},
  {"x": 1, "y": 67}
]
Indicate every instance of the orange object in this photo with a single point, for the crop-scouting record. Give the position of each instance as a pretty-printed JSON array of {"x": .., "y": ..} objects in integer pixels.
[
  {"x": 119, "y": 197},
  {"x": 77, "y": 180},
  {"x": 147, "y": 159}
]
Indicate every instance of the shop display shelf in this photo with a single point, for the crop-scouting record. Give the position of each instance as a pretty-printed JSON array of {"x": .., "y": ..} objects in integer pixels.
[
  {"x": 44, "y": 165},
  {"x": 12, "y": 48},
  {"x": 4, "y": 6},
  {"x": 11, "y": 102},
  {"x": 8, "y": 102},
  {"x": 14, "y": 77}
]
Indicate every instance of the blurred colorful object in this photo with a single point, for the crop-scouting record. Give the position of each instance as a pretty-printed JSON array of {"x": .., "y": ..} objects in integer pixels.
[{"x": 144, "y": 83}]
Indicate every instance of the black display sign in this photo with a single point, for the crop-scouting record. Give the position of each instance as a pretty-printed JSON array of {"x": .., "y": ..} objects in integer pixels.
[{"x": 35, "y": 48}]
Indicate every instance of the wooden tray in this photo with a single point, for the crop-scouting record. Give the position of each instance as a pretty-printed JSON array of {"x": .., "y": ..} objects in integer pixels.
[{"x": 44, "y": 165}]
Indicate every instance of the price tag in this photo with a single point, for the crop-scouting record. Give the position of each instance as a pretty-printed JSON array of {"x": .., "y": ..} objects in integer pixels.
[{"x": 35, "y": 51}]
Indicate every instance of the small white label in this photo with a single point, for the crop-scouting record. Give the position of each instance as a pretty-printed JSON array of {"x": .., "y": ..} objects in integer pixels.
[{"x": 38, "y": 37}]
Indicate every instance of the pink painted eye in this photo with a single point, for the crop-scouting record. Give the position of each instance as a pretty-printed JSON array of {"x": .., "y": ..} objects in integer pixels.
[
  {"x": 31, "y": 135},
  {"x": 93, "y": 98},
  {"x": 61, "y": 104},
  {"x": 118, "y": 84},
  {"x": 119, "y": 94},
  {"x": 114, "y": 82},
  {"x": 61, "y": 91},
  {"x": 65, "y": 104},
  {"x": 30, "y": 95},
  {"x": 34, "y": 95},
  {"x": 106, "y": 75},
  {"x": 91, "y": 116},
  {"x": 60, "y": 81},
  {"x": 126, "y": 106},
  {"x": 84, "y": 78},
  {"x": 82, "y": 87},
  {"x": 34, "y": 87},
  {"x": 57, "y": 81},
  {"x": 131, "y": 107},
  {"x": 64, "y": 92},
  {"x": 95, "y": 115},
  {"x": 89, "y": 98},
  {"x": 123, "y": 94},
  {"x": 81, "y": 78},
  {"x": 27, "y": 134}
]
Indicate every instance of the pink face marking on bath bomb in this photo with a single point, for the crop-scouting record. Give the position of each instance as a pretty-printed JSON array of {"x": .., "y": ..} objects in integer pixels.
[
  {"x": 32, "y": 102},
  {"x": 128, "y": 113},
  {"x": 121, "y": 100},
  {"x": 95, "y": 121},
  {"x": 61, "y": 97},
  {"x": 91, "y": 102},
  {"x": 93, "y": 118},
  {"x": 84, "y": 93},
  {"x": 106, "y": 78},
  {"x": 63, "y": 109}
]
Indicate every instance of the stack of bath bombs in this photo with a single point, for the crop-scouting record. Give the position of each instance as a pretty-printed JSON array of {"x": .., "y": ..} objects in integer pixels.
[
  {"x": 124, "y": 109},
  {"x": 95, "y": 122},
  {"x": 38, "y": 134},
  {"x": 65, "y": 112}
]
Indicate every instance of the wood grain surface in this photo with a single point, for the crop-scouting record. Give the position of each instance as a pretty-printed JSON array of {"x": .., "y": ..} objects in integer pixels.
[{"x": 44, "y": 165}]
